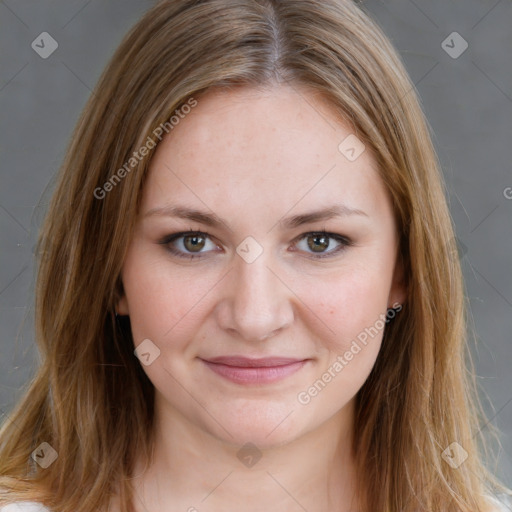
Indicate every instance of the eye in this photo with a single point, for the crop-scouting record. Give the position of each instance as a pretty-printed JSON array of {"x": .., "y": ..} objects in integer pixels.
[
  {"x": 323, "y": 244},
  {"x": 188, "y": 244},
  {"x": 195, "y": 244}
]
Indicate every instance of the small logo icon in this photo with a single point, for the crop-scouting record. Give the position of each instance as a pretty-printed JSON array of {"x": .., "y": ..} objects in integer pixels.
[
  {"x": 454, "y": 45},
  {"x": 249, "y": 249},
  {"x": 351, "y": 147},
  {"x": 44, "y": 455},
  {"x": 249, "y": 454},
  {"x": 507, "y": 192},
  {"x": 44, "y": 45},
  {"x": 454, "y": 455},
  {"x": 147, "y": 352}
]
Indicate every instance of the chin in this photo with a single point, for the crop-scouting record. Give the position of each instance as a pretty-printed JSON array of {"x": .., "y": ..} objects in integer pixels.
[{"x": 263, "y": 428}]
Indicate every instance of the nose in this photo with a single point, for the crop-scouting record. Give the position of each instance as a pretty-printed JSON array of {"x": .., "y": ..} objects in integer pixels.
[{"x": 256, "y": 304}]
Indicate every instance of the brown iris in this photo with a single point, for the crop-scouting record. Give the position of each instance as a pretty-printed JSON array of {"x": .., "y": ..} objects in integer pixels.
[
  {"x": 320, "y": 242},
  {"x": 193, "y": 243}
]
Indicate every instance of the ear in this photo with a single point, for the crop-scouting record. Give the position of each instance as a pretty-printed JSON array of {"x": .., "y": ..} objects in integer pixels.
[
  {"x": 398, "y": 291},
  {"x": 122, "y": 301},
  {"x": 122, "y": 306}
]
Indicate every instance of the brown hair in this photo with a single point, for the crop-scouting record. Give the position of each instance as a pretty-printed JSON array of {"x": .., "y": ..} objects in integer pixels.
[{"x": 90, "y": 399}]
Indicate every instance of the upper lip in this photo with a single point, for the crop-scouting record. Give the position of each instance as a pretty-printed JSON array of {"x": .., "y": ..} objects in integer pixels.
[{"x": 246, "y": 362}]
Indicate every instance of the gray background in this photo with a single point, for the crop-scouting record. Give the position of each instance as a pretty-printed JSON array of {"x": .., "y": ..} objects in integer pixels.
[{"x": 467, "y": 100}]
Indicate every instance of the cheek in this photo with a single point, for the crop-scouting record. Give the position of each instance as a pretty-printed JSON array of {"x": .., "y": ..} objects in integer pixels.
[
  {"x": 162, "y": 305},
  {"x": 344, "y": 306},
  {"x": 352, "y": 313}
]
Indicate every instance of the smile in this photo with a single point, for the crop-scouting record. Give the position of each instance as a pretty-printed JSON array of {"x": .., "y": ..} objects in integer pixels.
[{"x": 245, "y": 371}]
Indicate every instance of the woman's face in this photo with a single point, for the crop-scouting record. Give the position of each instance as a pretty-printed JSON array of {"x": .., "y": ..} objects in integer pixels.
[{"x": 260, "y": 176}]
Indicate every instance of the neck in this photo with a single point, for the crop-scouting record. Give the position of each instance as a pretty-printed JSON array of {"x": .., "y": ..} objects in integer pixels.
[{"x": 193, "y": 471}]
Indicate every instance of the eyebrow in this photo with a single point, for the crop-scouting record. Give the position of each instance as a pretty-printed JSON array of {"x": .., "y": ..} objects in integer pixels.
[{"x": 211, "y": 219}]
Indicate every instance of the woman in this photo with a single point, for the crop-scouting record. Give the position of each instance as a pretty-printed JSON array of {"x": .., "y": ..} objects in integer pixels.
[{"x": 250, "y": 297}]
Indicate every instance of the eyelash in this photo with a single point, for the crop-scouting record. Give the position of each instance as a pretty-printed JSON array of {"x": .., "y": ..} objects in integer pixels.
[{"x": 168, "y": 239}]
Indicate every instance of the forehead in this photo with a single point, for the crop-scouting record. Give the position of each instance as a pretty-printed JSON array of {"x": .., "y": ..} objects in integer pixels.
[{"x": 271, "y": 149}]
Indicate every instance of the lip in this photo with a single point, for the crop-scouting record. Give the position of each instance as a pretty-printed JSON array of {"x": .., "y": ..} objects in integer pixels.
[{"x": 243, "y": 370}]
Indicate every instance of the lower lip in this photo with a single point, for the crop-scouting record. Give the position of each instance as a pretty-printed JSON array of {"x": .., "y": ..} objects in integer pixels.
[{"x": 259, "y": 375}]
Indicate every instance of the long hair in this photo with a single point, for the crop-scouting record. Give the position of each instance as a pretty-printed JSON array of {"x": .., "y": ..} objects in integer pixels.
[{"x": 90, "y": 400}]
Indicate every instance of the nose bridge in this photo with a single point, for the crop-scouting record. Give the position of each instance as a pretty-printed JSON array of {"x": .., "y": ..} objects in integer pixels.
[{"x": 259, "y": 303}]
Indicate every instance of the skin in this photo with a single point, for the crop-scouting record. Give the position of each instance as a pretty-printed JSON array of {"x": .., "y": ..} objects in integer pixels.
[{"x": 253, "y": 158}]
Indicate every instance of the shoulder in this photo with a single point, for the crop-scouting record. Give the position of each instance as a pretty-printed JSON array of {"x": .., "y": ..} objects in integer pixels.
[{"x": 24, "y": 506}]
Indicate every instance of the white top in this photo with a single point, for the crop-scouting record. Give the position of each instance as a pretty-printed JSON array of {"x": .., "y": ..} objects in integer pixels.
[
  {"x": 503, "y": 504},
  {"x": 24, "y": 506}
]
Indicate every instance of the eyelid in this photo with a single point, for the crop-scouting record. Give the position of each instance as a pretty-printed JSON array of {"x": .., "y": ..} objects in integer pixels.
[
  {"x": 167, "y": 239},
  {"x": 343, "y": 240}
]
